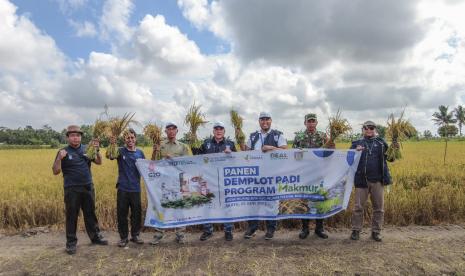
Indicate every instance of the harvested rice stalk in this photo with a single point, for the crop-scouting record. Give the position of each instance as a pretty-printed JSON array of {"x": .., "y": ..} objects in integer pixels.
[
  {"x": 194, "y": 119},
  {"x": 236, "y": 121},
  {"x": 397, "y": 131},
  {"x": 99, "y": 130},
  {"x": 153, "y": 132},
  {"x": 337, "y": 127},
  {"x": 117, "y": 125}
]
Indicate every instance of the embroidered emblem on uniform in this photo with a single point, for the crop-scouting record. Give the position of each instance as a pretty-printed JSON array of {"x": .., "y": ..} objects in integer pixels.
[
  {"x": 124, "y": 157},
  {"x": 208, "y": 146},
  {"x": 70, "y": 157},
  {"x": 276, "y": 137}
]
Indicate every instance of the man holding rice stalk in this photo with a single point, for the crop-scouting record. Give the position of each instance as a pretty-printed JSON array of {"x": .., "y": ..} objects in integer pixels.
[
  {"x": 129, "y": 194},
  {"x": 309, "y": 139},
  {"x": 218, "y": 143},
  {"x": 371, "y": 177},
  {"x": 266, "y": 139},
  {"x": 170, "y": 148},
  {"x": 78, "y": 187}
]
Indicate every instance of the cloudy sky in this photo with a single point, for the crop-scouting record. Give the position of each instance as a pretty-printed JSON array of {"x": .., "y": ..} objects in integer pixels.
[{"x": 61, "y": 61}]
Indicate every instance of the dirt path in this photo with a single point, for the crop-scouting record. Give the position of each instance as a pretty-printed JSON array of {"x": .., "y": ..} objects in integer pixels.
[{"x": 415, "y": 250}]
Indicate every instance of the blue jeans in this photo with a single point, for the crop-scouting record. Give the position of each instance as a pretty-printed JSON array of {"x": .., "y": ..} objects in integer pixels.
[
  {"x": 270, "y": 225},
  {"x": 208, "y": 227}
]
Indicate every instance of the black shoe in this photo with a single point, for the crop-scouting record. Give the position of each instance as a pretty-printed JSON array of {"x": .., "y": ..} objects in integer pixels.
[
  {"x": 228, "y": 236},
  {"x": 71, "y": 249},
  {"x": 137, "y": 240},
  {"x": 269, "y": 235},
  {"x": 123, "y": 243},
  {"x": 304, "y": 233},
  {"x": 355, "y": 235},
  {"x": 100, "y": 241},
  {"x": 205, "y": 236},
  {"x": 321, "y": 234},
  {"x": 249, "y": 233},
  {"x": 376, "y": 237}
]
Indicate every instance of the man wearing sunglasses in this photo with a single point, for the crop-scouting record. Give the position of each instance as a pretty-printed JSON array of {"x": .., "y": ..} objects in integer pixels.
[
  {"x": 371, "y": 177},
  {"x": 217, "y": 143},
  {"x": 265, "y": 140}
]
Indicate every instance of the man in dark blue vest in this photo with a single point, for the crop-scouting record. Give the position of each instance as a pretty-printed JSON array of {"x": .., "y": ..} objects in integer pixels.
[
  {"x": 217, "y": 143},
  {"x": 266, "y": 139},
  {"x": 78, "y": 187}
]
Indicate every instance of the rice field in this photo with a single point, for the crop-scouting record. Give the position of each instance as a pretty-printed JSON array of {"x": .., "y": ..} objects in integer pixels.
[{"x": 425, "y": 192}]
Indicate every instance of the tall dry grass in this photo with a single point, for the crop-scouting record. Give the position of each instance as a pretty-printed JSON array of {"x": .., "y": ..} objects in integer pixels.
[{"x": 425, "y": 191}]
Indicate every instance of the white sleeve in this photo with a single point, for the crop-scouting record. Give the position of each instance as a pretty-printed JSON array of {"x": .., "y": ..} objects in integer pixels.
[{"x": 282, "y": 141}]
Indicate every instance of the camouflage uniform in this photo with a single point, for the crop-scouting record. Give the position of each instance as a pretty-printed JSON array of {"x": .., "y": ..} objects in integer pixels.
[{"x": 308, "y": 140}]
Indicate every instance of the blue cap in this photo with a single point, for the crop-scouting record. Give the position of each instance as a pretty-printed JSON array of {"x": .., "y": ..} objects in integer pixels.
[
  {"x": 264, "y": 115},
  {"x": 170, "y": 124},
  {"x": 218, "y": 124}
]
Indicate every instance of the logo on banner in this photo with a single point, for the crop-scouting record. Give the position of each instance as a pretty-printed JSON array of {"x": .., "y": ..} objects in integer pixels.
[
  {"x": 152, "y": 167},
  {"x": 278, "y": 156},
  {"x": 298, "y": 155},
  {"x": 252, "y": 157},
  {"x": 205, "y": 160}
]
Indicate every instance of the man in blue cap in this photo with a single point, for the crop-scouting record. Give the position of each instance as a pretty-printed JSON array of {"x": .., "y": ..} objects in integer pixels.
[
  {"x": 217, "y": 143},
  {"x": 265, "y": 140}
]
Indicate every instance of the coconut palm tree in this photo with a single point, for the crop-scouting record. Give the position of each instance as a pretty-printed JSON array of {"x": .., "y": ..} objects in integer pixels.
[
  {"x": 459, "y": 113},
  {"x": 444, "y": 118}
]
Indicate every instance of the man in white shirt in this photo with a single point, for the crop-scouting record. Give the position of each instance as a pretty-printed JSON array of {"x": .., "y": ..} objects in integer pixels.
[{"x": 266, "y": 139}]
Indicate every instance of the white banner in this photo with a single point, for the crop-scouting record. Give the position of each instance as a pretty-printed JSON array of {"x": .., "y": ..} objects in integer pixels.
[{"x": 215, "y": 188}]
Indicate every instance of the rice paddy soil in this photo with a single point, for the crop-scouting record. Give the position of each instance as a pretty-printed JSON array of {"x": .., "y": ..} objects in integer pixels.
[{"x": 410, "y": 250}]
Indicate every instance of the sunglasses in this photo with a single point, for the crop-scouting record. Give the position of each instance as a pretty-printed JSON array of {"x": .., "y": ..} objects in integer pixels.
[{"x": 369, "y": 128}]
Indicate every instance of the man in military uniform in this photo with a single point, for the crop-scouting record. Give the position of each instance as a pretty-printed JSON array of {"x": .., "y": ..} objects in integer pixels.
[
  {"x": 311, "y": 138},
  {"x": 266, "y": 139},
  {"x": 170, "y": 148},
  {"x": 215, "y": 144}
]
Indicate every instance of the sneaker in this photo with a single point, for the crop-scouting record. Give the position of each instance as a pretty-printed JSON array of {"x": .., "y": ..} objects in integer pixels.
[
  {"x": 249, "y": 234},
  {"x": 71, "y": 249},
  {"x": 123, "y": 243},
  {"x": 269, "y": 235},
  {"x": 376, "y": 237},
  {"x": 304, "y": 234},
  {"x": 228, "y": 236},
  {"x": 321, "y": 234},
  {"x": 180, "y": 239},
  {"x": 156, "y": 239},
  {"x": 355, "y": 235},
  {"x": 100, "y": 241},
  {"x": 205, "y": 236},
  {"x": 137, "y": 240}
]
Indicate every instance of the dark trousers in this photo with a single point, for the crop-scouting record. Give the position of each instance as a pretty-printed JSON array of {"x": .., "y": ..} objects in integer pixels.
[
  {"x": 124, "y": 201},
  {"x": 270, "y": 225},
  {"x": 77, "y": 198},
  {"x": 318, "y": 227}
]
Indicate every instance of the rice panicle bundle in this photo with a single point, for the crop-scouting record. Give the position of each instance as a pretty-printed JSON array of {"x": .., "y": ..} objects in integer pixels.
[
  {"x": 153, "y": 132},
  {"x": 194, "y": 119},
  {"x": 397, "y": 131},
  {"x": 236, "y": 121},
  {"x": 99, "y": 130},
  {"x": 337, "y": 127},
  {"x": 116, "y": 127}
]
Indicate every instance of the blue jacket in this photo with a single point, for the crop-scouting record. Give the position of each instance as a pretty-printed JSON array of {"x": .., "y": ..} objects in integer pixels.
[{"x": 360, "y": 179}]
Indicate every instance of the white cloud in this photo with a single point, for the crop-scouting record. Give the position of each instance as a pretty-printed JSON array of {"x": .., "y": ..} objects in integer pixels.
[
  {"x": 114, "y": 20},
  {"x": 83, "y": 29},
  {"x": 196, "y": 11},
  {"x": 165, "y": 46},
  {"x": 69, "y": 6}
]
